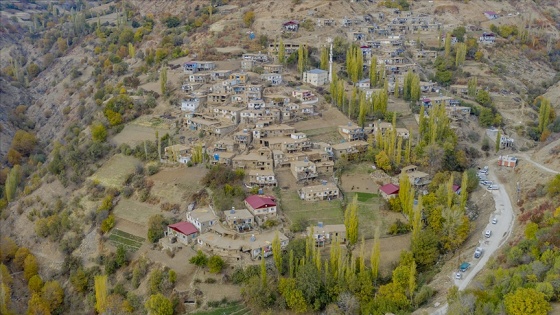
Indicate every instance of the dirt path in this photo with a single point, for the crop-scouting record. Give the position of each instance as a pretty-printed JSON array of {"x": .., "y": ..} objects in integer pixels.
[{"x": 542, "y": 167}]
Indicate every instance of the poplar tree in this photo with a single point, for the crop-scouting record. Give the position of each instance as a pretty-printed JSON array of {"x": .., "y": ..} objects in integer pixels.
[
  {"x": 163, "y": 80},
  {"x": 363, "y": 110},
  {"x": 12, "y": 182},
  {"x": 351, "y": 221},
  {"x": 405, "y": 189},
  {"x": 291, "y": 265},
  {"x": 412, "y": 280},
  {"x": 264, "y": 280},
  {"x": 447, "y": 44},
  {"x": 301, "y": 60},
  {"x": 472, "y": 87},
  {"x": 407, "y": 150},
  {"x": 373, "y": 72},
  {"x": 417, "y": 220},
  {"x": 398, "y": 151},
  {"x": 415, "y": 88},
  {"x": 277, "y": 253},
  {"x": 375, "y": 254},
  {"x": 450, "y": 192},
  {"x": 422, "y": 122},
  {"x": 396, "y": 88},
  {"x": 100, "y": 293},
  {"x": 460, "y": 54},
  {"x": 498, "y": 138},
  {"x": 131, "y": 50},
  {"x": 464, "y": 194},
  {"x": 281, "y": 52},
  {"x": 544, "y": 114},
  {"x": 325, "y": 58},
  {"x": 407, "y": 85}
]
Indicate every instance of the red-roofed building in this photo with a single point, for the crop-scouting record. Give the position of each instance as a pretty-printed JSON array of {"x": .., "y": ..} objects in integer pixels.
[
  {"x": 292, "y": 26},
  {"x": 184, "y": 231},
  {"x": 262, "y": 207},
  {"x": 389, "y": 191},
  {"x": 457, "y": 189}
]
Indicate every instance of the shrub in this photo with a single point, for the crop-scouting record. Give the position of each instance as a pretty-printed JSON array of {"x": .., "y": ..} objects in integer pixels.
[
  {"x": 216, "y": 264},
  {"x": 200, "y": 260}
]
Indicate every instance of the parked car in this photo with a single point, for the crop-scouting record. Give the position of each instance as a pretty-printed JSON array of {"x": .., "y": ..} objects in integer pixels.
[
  {"x": 488, "y": 183},
  {"x": 458, "y": 276},
  {"x": 494, "y": 220},
  {"x": 464, "y": 266},
  {"x": 478, "y": 252},
  {"x": 488, "y": 233},
  {"x": 493, "y": 187}
]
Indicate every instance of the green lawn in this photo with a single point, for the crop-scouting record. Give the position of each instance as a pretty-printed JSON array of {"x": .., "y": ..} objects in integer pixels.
[
  {"x": 235, "y": 309},
  {"x": 129, "y": 241},
  {"x": 368, "y": 212},
  {"x": 328, "y": 212},
  {"x": 365, "y": 197}
]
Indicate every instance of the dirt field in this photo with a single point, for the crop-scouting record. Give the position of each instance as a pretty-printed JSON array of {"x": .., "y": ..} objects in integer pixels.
[
  {"x": 332, "y": 117},
  {"x": 113, "y": 173},
  {"x": 176, "y": 184},
  {"x": 549, "y": 155},
  {"x": 135, "y": 212},
  {"x": 135, "y": 133},
  {"x": 391, "y": 248}
]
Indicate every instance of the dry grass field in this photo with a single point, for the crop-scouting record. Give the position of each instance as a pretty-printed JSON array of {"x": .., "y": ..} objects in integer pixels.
[
  {"x": 135, "y": 211},
  {"x": 114, "y": 172},
  {"x": 177, "y": 184}
]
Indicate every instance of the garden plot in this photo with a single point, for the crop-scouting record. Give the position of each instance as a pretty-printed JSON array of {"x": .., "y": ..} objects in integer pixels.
[
  {"x": 129, "y": 241},
  {"x": 135, "y": 211},
  {"x": 114, "y": 172},
  {"x": 177, "y": 184}
]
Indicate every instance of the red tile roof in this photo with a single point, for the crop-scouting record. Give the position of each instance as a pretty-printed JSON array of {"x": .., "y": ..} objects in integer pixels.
[
  {"x": 186, "y": 228},
  {"x": 389, "y": 189},
  {"x": 456, "y": 187},
  {"x": 258, "y": 202}
]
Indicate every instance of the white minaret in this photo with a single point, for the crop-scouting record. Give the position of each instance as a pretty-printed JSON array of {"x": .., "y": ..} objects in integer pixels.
[{"x": 330, "y": 40}]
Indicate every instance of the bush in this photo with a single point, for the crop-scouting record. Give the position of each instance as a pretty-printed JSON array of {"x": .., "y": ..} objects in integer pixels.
[
  {"x": 216, "y": 264},
  {"x": 200, "y": 260},
  {"x": 399, "y": 227}
]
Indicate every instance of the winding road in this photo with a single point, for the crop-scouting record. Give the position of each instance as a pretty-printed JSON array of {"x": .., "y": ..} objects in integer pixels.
[{"x": 500, "y": 231}]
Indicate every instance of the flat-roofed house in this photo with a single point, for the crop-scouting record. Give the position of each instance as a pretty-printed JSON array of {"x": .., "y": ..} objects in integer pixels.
[
  {"x": 177, "y": 153},
  {"x": 262, "y": 178},
  {"x": 240, "y": 220},
  {"x": 325, "y": 191},
  {"x": 350, "y": 150},
  {"x": 303, "y": 170},
  {"x": 324, "y": 234},
  {"x": 202, "y": 218},
  {"x": 417, "y": 178},
  {"x": 351, "y": 132},
  {"x": 316, "y": 77}
]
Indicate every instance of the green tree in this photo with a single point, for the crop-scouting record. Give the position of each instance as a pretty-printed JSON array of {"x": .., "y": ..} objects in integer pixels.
[
  {"x": 249, "y": 18},
  {"x": 498, "y": 139},
  {"x": 35, "y": 284},
  {"x": 382, "y": 161},
  {"x": 12, "y": 182},
  {"x": 447, "y": 44},
  {"x": 8, "y": 249},
  {"x": 24, "y": 142},
  {"x": 425, "y": 249},
  {"x": 53, "y": 294},
  {"x": 375, "y": 253},
  {"x": 277, "y": 253},
  {"x": 156, "y": 225},
  {"x": 553, "y": 187},
  {"x": 216, "y": 264},
  {"x": 294, "y": 297},
  {"x": 351, "y": 221},
  {"x": 98, "y": 132},
  {"x": 159, "y": 305},
  {"x": 37, "y": 305},
  {"x": 373, "y": 72},
  {"x": 460, "y": 54},
  {"x": 526, "y": 301},
  {"x": 472, "y": 86},
  {"x": 100, "y": 293},
  {"x": 281, "y": 52},
  {"x": 483, "y": 98},
  {"x": 131, "y": 50},
  {"x": 200, "y": 260},
  {"x": 324, "y": 58},
  {"x": 30, "y": 267},
  {"x": 544, "y": 114}
]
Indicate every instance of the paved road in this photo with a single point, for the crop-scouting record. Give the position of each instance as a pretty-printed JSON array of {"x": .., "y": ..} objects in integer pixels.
[{"x": 500, "y": 233}]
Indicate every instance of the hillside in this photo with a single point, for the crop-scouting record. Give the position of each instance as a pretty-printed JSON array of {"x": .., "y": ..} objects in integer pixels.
[{"x": 106, "y": 138}]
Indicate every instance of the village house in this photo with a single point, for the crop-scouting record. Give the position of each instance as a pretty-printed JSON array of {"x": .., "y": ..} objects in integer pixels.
[
  {"x": 305, "y": 110},
  {"x": 243, "y": 138},
  {"x": 459, "y": 89},
  {"x": 291, "y": 26},
  {"x": 403, "y": 133},
  {"x": 507, "y": 161},
  {"x": 262, "y": 178},
  {"x": 260, "y": 57},
  {"x": 225, "y": 145},
  {"x": 273, "y": 68},
  {"x": 177, "y": 153},
  {"x": 289, "y": 48},
  {"x": 202, "y": 219},
  {"x": 256, "y": 104},
  {"x": 222, "y": 158},
  {"x": 458, "y": 112},
  {"x": 349, "y": 150},
  {"x": 426, "y": 87},
  {"x": 325, "y": 167},
  {"x": 316, "y": 77},
  {"x": 389, "y": 191},
  {"x": 240, "y": 220},
  {"x": 363, "y": 84},
  {"x": 325, "y": 191},
  {"x": 260, "y": 160},
  {"x": 253, "y": 92},
  {"x": 202, "y": 123},
  {"x": 192, "y": 103},
  {"x": 199, "y": 78},
  {"x": 230, "y": 113},
  {"x": 241, "y": 77},
  {"x": 487, "y": 38},
  {"x": 303, "y": 170},
  {"x": 262, "y": 207},
  {"x": 425, "y": 54},
  {"x": 304, "y": 96},
  {"x": 223, "y": 128},
  {"x": 247, "y": 65},
  {"x": 192, "y": 67},
  {"x": 189, "y": 87},
  {"x": 273, "y": 131},
  {"x": 351, "y": 132},
  {"x": 217, "y": 98},
  {"x": 491, "y": 15},
  {"x": 417, "y": 179},
  {"x": 219, "y": 75},
  {"x": 326, "y": 234},
  {"x": 183, "y": 232},
  {"x": 273, "y": 79}
]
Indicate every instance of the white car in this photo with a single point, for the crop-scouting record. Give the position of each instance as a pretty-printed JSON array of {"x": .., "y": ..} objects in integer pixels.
[
  {"x": 494, "y": 220},
  {"x": 488, "y": 233},
  {"x": 478, "y": 252},
  {"x": 493, "y": 187},
  {"x": 458, "y": 276}
]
